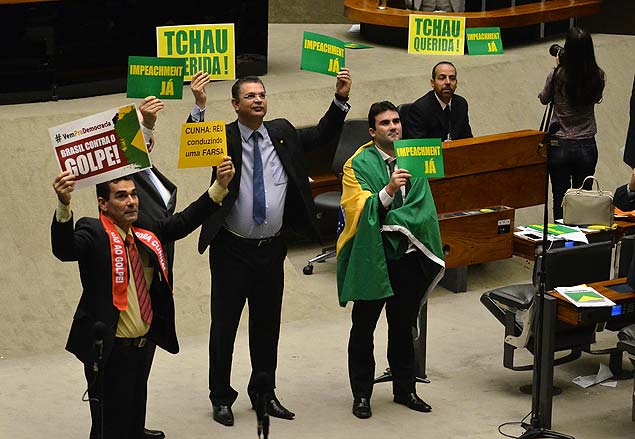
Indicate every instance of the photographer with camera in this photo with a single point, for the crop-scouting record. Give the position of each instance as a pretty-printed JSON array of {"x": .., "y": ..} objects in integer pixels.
[{"x": 573, "y": 88}]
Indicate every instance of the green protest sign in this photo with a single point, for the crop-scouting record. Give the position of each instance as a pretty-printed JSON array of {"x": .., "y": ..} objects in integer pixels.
[
  {"x": 421, "y": 157},
  {"x": 355, "y": 45},
  {"x": 484, "y": 41},
  {"x": 322, "y": 54},
  {"x": 160, "y": 77}
]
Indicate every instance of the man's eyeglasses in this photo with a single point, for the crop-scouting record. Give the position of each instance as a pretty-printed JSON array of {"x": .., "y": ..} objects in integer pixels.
[{"x": 252, "y": 96}]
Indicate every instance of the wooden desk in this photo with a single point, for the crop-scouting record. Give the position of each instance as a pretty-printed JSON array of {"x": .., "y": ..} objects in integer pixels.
[
  {"x": 569, "y": 313},
  {"x": 557, "y": 308},
  {"x": 366, "y": 11},
  {"x": 528, "y": 249}
]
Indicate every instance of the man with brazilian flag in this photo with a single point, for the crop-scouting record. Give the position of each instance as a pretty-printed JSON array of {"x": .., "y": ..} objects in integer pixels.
[{"x": 389, "y": 253}]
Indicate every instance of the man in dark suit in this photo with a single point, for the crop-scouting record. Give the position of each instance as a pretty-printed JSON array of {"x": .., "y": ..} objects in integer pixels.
[
  {"x": 270, "y": 194},
  {"x": 157, "y": 199},
  {"x": 388, "y": 255},
  {"x": 439, "y": 113},
  {"x": 127, "y": 296}
]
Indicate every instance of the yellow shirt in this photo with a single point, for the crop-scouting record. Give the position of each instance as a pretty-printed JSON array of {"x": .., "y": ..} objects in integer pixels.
[{"x": 131, "y": 325}]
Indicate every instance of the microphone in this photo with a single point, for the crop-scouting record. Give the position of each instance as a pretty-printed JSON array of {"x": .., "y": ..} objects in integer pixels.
[
  {"x": 260, "y": 383},
  {"x": 98, "y": 331}
]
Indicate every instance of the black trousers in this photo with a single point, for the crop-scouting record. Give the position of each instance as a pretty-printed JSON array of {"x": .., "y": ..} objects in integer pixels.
[
  {"x": 244, "y": 272},
  {"x": 409, "y": 280},
  {"x": 125, "y": 392}
]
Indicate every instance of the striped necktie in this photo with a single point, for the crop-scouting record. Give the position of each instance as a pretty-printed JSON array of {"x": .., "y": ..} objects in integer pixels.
[{"x": 145, "y": 306}]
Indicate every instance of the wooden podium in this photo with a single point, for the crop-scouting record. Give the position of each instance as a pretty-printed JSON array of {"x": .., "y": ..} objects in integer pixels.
[{"x": 486, "y": 179}]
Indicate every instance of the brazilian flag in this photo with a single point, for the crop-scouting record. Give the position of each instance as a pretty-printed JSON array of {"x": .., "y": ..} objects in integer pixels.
[
  {"x": 130, "y": 137},
  {"x": 368, "y": 241}
]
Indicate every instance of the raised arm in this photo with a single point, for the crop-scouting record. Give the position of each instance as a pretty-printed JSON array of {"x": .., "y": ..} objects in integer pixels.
[
  {"x": 197, "y": 85},
  {"x": 330, "y": 125}
]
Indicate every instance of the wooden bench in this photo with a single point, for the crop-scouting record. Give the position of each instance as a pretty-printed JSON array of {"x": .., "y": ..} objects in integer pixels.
[{"x": 366, "y": 11}]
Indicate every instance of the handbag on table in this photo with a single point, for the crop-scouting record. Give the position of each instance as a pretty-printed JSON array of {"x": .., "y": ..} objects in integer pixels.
[{"x": 584, "y": 207}]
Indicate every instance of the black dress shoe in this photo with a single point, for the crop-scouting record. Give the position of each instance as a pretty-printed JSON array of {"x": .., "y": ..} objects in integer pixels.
[
  {"x": 153, "y": 434},
  {"x": 223, "y": 415},
  {"x": 413, "y": 402},
  {"x": 361, "y": 408},
  {"x": 277, "y": 410}
]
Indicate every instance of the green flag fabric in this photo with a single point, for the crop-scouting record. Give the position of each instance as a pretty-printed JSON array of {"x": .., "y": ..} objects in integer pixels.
[{"x": 368, "y": 241}]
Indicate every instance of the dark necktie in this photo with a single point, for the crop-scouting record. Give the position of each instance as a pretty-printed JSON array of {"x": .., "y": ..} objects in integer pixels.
[
  {"x": 397, "y": 199},
  {"x": 448, "y": 121},
  {"x": 145, "y": 306},
  {"x": 259, "y": 208}
]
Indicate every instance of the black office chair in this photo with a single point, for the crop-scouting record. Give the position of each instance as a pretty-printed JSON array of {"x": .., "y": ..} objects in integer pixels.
[
  {"x": 627, "y": 344},
  {"x": 403, "y": 110},
  {"x": 624, "y": 251},
  {"x": 514, "y": 306},
  {"x": 354, "y": 134}
]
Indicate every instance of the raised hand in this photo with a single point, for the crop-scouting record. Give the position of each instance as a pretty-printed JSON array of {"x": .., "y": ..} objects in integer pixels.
[
  {"x": 197, "y": 85},
  {"x": 63, "y": 185},
  {"x": 225, "y": 172},
  {"x": 398, "y": 179},
  {"x": 149, "y": 108},
  {"x": 343, "y": 84}
]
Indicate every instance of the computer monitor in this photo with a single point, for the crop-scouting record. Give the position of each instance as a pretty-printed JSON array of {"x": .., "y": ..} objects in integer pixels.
[{"x": 585, "y": 263}]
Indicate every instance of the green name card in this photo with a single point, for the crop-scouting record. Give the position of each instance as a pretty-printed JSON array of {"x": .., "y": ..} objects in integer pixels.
[
  {"x": 421, "y": 157},
  {"x": 160, "y": 77},
  {"x": 355, "y": 45},
  {"x": 484, "y": 41},
  {"x": 322, "y": 54}
]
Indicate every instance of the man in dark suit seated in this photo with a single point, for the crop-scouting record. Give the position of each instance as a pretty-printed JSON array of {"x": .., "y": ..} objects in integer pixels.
[
  {"x": 127, "y": 295},
  {"x": 439, "y": 113},
  {"x": 271, "y": 194}
]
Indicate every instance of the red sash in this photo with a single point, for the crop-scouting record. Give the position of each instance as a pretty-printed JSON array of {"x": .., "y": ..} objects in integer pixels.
[{"x": 119, "y": 259}]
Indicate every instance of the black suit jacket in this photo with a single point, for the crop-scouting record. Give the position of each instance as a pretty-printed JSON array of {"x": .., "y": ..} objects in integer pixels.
[
  {"x": 88, "y": 244},
  {"x": 152, "y": 207},
  {"x": 290, "y": 144},
  {"x": 426, "y": 120}
]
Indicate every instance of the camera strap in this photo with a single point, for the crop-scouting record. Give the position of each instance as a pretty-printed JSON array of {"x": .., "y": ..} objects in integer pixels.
[{"x": 546, "y": 117}]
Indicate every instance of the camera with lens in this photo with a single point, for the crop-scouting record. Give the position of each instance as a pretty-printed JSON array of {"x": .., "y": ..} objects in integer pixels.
[{"x": 556, "y": 50}]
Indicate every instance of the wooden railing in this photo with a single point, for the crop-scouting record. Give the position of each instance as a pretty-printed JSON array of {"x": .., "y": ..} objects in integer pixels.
[{"x": 366, "y": 11}]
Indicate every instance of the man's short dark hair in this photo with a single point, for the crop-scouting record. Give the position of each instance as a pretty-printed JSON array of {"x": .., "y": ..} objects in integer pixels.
[
  {"x": 103, "y": 189},
  {"x": 241, "y": 81},
  {"x": 378, "y": 108},
  {"x": 434, "y": 69}
]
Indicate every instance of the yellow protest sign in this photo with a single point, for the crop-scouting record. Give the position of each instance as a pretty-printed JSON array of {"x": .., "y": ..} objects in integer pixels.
[
  {"x": 436, "y": 34},
  {"x": 205, "y": 47},
  {"x": 202, "y": 144}
]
